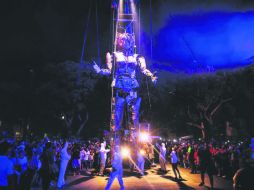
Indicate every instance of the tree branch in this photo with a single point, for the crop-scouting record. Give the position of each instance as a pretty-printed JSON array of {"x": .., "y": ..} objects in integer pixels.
[
  {"x": 219, "y": 105},
  {"x": 194, "y": 125},
  {"x": 82, "y": 124},
  {"x": 68, "y": 120}
]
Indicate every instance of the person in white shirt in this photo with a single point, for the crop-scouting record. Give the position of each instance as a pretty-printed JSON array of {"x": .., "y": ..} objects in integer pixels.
[
  {"x": 65, "y": 157},
  {"x": 103, "y": 157},
  {"x": 162, "y": 157},
  {"x": 117, "y": 170},
  {"x": 151, "y": 155},
  {"x": 91, "y": 159},
  {"x": 86, "y": 158},
  {"x": 82, "y": 155},
  {"x": 22, "y": 161},
  {"x": 6, "y": 167},
  {"x": 174, "y": 162},
  {"x": 141, "y": 161}
]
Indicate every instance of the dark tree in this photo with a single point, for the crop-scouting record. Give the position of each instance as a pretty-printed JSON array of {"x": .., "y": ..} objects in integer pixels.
[{"x": 66, "y": 92}]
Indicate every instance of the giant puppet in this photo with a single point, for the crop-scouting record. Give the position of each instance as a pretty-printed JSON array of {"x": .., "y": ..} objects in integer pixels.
[
  {"x": 122, "y": 65},
  {"x": 124, "y": 81}
]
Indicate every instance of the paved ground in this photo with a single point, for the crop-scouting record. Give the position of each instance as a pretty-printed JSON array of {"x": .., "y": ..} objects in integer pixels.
[{"x": 153, "y": 180}]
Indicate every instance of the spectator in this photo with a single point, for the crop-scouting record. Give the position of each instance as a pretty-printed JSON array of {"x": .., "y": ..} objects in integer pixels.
[
  {"x": 32, "y": 166},
  {"x": 75, "y": 160},
  {"x": 243, "y": 178},
  {"x": 6, "y": 168},
  {"x": 91, "y": 159},
  {"x": 174, "y": 162},
  {"x": 151, "y": 154},
  {"x": 21, "y": 165},
  {"x": 103, "y": 157},
  {"x": 191, "y": 152},
  {"x": 47, "y": 160},
  {"x": 65, "y": 157},
  {"x": 117, "y": 170},
  {"x": 206, "y": 164},
  {"x": 141, "y": 161},
  {"x": 162, "y": 157},
  {"x": 82, "y": 158},
  {"x": 86, "y": 158}
]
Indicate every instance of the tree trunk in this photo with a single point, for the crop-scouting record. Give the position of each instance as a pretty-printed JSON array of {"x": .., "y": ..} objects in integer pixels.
[
  {"x": 82, "y": 125},
  {"x": 68, "y": 122},
  {"x": 200, "y": 126}
]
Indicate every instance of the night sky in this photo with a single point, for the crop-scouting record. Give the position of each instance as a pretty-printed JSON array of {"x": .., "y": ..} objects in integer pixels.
[
  {"x": 50, "y": 30},
  {"x": 34, "y": 32}
]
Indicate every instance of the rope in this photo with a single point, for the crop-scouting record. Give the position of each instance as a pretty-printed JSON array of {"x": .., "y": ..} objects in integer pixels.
[
  {"x": 85, "y": 35},
  {"x": 193, "y": 55},
  {"x": 151, "y": 51},
  {"x": 139, "y": 29},
  {"x": 151, "y": 29},
  {"x": 97, "y": 33},
  {"x": 83, "y": 46}
]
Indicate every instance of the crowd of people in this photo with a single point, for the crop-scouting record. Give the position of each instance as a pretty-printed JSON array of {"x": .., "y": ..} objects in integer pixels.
[
  {"x": 222, "y": 158},
  {"x": 46, "y": 162}
]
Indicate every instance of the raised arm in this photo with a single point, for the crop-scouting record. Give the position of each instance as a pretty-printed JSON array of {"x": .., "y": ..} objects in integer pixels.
[
  {"x": 106, "y": 71},
  {"x": 142, "y": 64},
  {"x": 158, "y": 145}
]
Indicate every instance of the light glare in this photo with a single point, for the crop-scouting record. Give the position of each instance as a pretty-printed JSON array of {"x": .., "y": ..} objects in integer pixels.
[
  {"x": 144, "y": 137},
  {"x": 125, "y": 152}
]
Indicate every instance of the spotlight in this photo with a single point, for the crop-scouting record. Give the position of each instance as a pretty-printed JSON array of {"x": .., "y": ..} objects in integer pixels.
[
  {"x": 144, "y": 137},
  {"x": 125, "y": 152},
  {"x": 174, "y": 140}
]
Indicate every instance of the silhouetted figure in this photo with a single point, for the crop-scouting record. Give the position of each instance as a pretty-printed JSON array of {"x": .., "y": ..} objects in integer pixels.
[
  {"x": 243, "y": 178},
  {"x": 65, "y": 157},
  {"x": 206, "y": 164},
  {"x": 162, "y": 157},
  {"x": 47, "y": 160},
  {"x": 141, "y": 161},
  {"x": 117, "y": 170},
  {"x": 103, "y": 157},
  {"x": 6, "y": 168},
  {"x": 174, "y": 162}
]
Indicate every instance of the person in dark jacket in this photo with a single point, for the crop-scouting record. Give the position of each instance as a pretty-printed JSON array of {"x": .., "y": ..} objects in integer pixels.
[
  {"x": 47, "y": 160},
  {"x": 206, "y": 164},
  {"x": 243, "y": 178}
]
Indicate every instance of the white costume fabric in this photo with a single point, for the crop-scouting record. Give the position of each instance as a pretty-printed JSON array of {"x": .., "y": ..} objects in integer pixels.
[
  {"x": 103, "y": 157},
  {"x": 117, "y": 170},
  {"x": 65, "y": 157},
  {"x": 162, "y": 157},
  {"x": 141, "y": 162}
]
